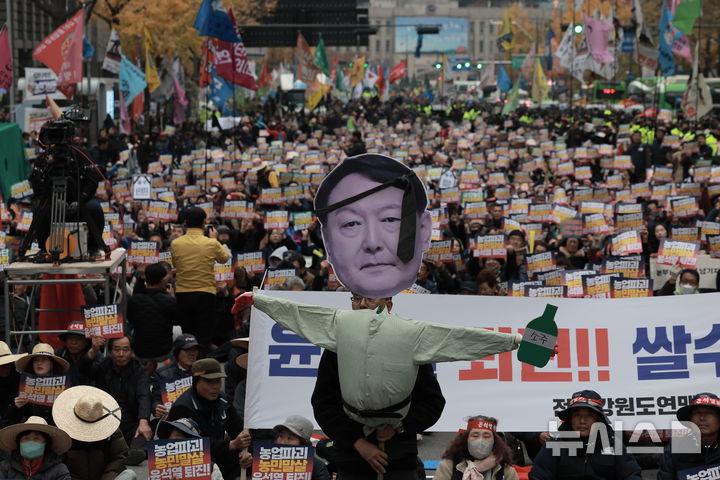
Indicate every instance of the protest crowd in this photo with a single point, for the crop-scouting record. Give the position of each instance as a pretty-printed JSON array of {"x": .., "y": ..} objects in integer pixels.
[{"x": 541, "y": 202}]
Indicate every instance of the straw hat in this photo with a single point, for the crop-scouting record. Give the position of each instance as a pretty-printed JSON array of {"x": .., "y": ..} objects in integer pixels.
[
  {"x": 61, "y": 441},
  {"x": 242, "y": 342},
  {"x": 6, "y": 355},
  {"x": 87, "y": 414},
  {"x": 24, "y": 365}
]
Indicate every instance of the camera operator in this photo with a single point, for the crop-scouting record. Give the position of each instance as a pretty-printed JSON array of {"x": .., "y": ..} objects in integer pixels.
[{"x": 64, "y": 161}]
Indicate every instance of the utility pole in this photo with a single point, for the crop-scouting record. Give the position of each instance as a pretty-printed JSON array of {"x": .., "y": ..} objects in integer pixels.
[{"x": 10, "y": 31}]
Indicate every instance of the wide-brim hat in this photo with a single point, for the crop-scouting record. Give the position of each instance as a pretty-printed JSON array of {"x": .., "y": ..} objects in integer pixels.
[
  {"x": 262, "y": 165},
  {"x": 6, "y": 355},
  {"x": 186, "y": 425},
  {"x": 704, "y": 399},
  {"x": 87, "y": 414},
  {"x": 587, "y": 399},
  {"x": 242, "y": 342},
  {"x": 24, "y": 364},
  {"x": 61, "y": 441}
]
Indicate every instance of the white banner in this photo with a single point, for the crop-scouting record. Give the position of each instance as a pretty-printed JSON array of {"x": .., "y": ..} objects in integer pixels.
[
  {"x": 40, "y": 82},
  {"x": 645, "y": 356},
  {"x": 707, "y": 267}
]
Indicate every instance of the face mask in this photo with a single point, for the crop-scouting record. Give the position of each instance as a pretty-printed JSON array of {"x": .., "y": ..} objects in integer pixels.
[
  {"x": 32, "y": 449},
  {"x": 480, "y": 449},
  {"x": 685, "y": 289}
]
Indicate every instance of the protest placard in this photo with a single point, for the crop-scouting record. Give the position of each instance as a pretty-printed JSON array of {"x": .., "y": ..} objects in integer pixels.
[
  {"x": 144, "y": 253},
  {"x": 282, "y": 462},
  {"x": 103, "y": 320},
  {"x": 182, "y": 458},
  {"x": 630, "y": 266},
  {"x": 277, "y": 219},
  {"x": 598, "y": 286},
  {"x": 489, "y": 246},
  {"x": 440, "y": 251},
  {"x": 170, "y": 390},
  {"x": 673, "y": 251},
  {"x": 42, "y": 390},
  {"x": 631, "y": 287},
  {"x": 541, "y": 262},
  {"x": 276, "y": 277},
  {"x": 626, "y": 243}
]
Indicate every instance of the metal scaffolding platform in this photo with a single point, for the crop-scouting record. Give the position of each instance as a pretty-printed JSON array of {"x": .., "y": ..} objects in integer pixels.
[{"x": 89, "y": 273}]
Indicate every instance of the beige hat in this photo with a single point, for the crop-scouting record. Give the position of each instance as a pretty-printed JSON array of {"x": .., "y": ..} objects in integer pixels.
[
  {"x": 242, "y": 342},
  {"x": 24, "y": 365},
  {"x": 87, "y": 414},
  {"x": 61, "y": 441},
  {"x": 6, "y": 355}
]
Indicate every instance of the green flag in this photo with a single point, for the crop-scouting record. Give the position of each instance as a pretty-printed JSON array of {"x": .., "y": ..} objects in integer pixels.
[
  {"x": 321, "y": 57},
  {"x": 14, "y": 168},
  {"x": 339, "y": 80},
  {"x": 513, "y": 98},
  {"x": 686, "y": 13}
]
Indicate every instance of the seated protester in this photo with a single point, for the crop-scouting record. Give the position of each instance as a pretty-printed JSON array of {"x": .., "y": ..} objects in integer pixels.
[
  {"x": 236, "y": 369},
  {"x": 183, "y": 428},
  {"x": 468, "y": 288},
  {"x": 703, "y": 411},
  {"x": 425, "y": 277},
  {"x": 682, "y": 281},
  {"x": 208, "y": 406},
  {"x": 35, "y": 450},
  {"x": 487, "y": 284},
  {"x": 571, "y": 248},
  {"x": 564, "y": 458},
  {"x": 152, "y": 313},
  {"x": 296, "y": 430},
  {"x": 123, "y": 377},
  {"x": 185, "y": 351},
  {"x": 9, "y": 380},
  {"x": 44, "y": 363},
  {"x": 92, "y": 419},
  {"x": 477, "y": 453},
  {"x": 76, "y": 345}
]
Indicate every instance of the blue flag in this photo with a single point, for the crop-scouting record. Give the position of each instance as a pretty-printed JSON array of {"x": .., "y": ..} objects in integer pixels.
[
  {"x": 132, "y": 80},
  {"x": 665, "y": 54},
  {"x": 213, "y": 21},
  {"x": 548, "y": 47},
  {"x": 503, "y": 82},
  {"x": 221, "y": 93},
  {"x": 418, "y": 47},
  {"x": 88, "y": 49}
]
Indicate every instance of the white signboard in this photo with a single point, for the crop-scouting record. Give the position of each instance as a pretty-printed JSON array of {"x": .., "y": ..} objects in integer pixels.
[
  {"x": 645, "y": 356},
  {"x": 707, "y": 267},
  {"x": 142, "y": 187},
  {"x": 40, "y": 82}
]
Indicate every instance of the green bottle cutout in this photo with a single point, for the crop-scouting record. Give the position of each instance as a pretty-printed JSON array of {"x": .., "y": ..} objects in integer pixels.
[{"x": 539, "y": 338}]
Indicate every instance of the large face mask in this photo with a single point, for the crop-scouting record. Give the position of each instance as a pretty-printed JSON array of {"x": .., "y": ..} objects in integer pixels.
[
  {"x": 31, "y": 449},
  {"x": 480, "y": 448},
  {"x": 685, "y": 289}
]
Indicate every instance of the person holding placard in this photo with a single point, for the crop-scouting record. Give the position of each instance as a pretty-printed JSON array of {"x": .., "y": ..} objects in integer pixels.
[
  {"x": 76, "y": 345},
  {"x": 42, "y": 362},
  {"x": 184, "y": 428}
]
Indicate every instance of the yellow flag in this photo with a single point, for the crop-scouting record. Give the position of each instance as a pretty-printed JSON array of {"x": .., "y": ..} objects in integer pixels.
[
  {"x": 505, "y": 36},
  {"x": 315, "y": 92},
  {"x": 151, "y": 74},
  {"x": 540, "y": 86},
  {"x": 357, "y": 71}
]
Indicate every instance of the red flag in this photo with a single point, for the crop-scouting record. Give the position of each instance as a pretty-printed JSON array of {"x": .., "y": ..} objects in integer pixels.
[
  {"x": 265, "y": 78},
  {"x": 231, "y": 61},
  {"x": 61, "y": 51},
  {"x": 398, "y": 71},
  {"x": 206, "y": 63},
  {"x": 380, "y": 83},
  {"x": 6, "y": 65}
]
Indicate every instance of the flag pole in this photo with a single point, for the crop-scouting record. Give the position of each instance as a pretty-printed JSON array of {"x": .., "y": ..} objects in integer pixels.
[{"x": 11, "y": 99}]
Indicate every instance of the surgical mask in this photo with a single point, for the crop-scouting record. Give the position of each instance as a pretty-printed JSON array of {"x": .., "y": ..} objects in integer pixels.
[
  {"x": 480, "y": 449},
  {"x": 32, "y": 449},
  {"x": 685, "y": 289}
]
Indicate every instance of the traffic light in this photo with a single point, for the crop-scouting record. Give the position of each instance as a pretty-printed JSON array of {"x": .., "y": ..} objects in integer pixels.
[
  {"x": 365, "y": 64},
  {"x": 438, "y": 66},
  {"x": 467, "y": 64},
  {"x": 479, "y": 65},
  {"x": 458, "y": 66},
  {"x": 578, "y": 29},
  {"x": 350, "y": 64}
]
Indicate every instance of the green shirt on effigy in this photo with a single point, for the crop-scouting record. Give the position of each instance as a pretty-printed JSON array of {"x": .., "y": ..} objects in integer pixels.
[{"x": 379, "y": 352}]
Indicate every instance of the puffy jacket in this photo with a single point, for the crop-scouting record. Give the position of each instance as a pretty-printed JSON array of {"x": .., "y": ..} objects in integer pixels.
[
  {"x": 51, "y": 469},
  {"x": 102, "y": 460},
  {"x": 583, "y": 466},
  {"x": 672, "y": 463}
]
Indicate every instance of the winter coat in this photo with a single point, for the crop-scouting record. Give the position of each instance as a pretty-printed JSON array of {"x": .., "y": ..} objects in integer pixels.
[
  {"x": 152, "y": 314},
  {"x": 103, "y": 460},
  {"x": 672, "y": 463},
  {"x": 51, "y": 469},
  {"x": 449, "y": 470}
]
